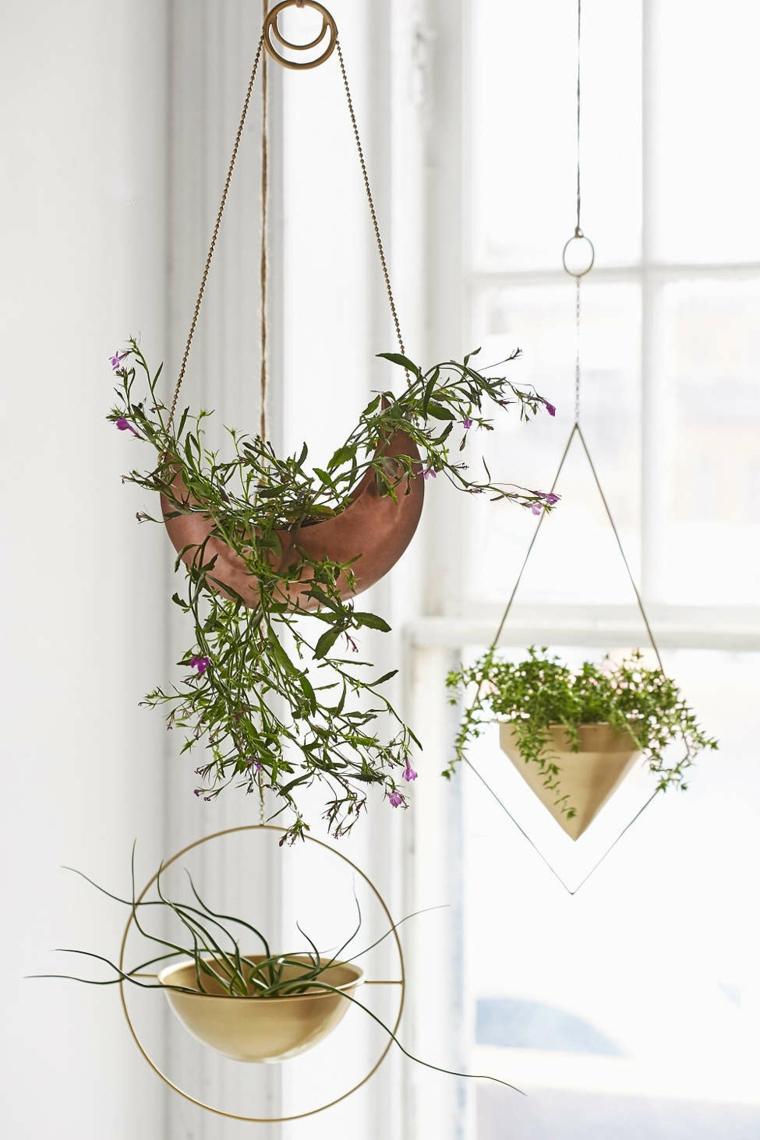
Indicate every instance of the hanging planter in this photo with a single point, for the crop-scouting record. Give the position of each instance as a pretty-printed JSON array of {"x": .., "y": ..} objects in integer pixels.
[
  {"x": 262, "y": 1029},
  {"x": 591, "y": 762},
  {"x": 275, "y": 551},
  {"x": 270, "y": 684},
  {"x": 367, "y": 536},
  {"x": 574, "y": 735},
  {"x": 260, "y": 1007}
]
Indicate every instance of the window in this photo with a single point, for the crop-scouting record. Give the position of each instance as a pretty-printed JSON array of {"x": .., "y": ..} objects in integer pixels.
[{"x": 632, "y": 1008}]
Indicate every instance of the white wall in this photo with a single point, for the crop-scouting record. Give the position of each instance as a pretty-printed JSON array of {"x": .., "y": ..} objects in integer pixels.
[
  {"x": 82, "y": 201},
  {"x": 117, "y": 121}
]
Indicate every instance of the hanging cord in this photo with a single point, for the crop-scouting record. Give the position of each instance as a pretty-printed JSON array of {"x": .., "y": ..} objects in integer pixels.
[
  {"x": 578, "y": 350},
  {"x": 264, "y": 247},
  {"x": 575, "y": 431},
  {"x": 578, "y": 230},
  {"x": 215, "y": 231},
  {"x": 370, "y": 199},
  {"x": 264, "y": 289}
]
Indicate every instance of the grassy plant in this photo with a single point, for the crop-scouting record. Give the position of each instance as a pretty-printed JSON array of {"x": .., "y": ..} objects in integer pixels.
[{"x": 211, "y": 941}]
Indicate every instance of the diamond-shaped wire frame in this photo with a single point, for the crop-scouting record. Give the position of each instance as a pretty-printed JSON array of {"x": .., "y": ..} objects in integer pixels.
[{"x": 604, "y": 777}]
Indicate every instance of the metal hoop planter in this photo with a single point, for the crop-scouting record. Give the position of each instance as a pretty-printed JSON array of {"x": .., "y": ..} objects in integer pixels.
[{"x": 400, "y": 982}]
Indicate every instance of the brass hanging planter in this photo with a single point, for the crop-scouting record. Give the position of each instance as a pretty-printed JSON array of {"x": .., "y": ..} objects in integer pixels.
[
  {"x": 258, "y": 1029},
  {"x": 264, "y": 1029},
  {"x": 588, "y": 775}
]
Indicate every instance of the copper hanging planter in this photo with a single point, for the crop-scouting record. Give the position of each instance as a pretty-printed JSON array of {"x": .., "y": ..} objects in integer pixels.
[
  {"x": 371, "y": 533},
  {"x": 587, "y": 777}
]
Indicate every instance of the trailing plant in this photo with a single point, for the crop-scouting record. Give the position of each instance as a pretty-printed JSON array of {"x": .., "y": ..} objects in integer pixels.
[
  {"x": 274, "y": 692},
  {"x": 211, "y": 942},
  {"x": 540, "y": 691}
]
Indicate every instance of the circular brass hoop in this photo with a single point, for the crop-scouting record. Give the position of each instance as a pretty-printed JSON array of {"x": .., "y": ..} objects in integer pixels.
[
  {"x": 272, "y": 32},
  {"x": 214, "y": 1108},
  {"x": 579, "y": 236}
]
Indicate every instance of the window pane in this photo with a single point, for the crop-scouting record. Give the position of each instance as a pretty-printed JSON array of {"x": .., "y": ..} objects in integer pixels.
[
  {"x": 522, "y": 91},
  {"x": 704, "y": 159},
  {"x": 706, "y": 416},
  {"x": 576, "y": 537}
]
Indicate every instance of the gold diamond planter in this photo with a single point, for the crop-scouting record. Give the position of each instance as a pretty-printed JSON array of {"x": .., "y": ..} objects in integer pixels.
[
  {"x": 260, "y": 1029},
  {"x": 588, "y": 777}
]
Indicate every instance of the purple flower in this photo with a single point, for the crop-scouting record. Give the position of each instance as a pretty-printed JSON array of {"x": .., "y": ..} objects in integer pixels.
[
  {"x": 124, "y": 425},
  {"x": 409, "y": 772},
  {"x": 536, "y": 508},
  {"x": 549, "y": 407},
  {"x": 429, "y": 473},
  {"x": 395, "y": 799},
  {"x": 350, "y": 643},
  {"x": 550, "y": 498},
  {"x": 466, "y": 423},
  {"x": 199, "y": 663},
  {"x": 116, "y": 359}
]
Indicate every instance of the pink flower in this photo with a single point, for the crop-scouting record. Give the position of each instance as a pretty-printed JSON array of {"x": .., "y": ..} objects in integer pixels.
[
  {"x": 350, "y": 643},
  {"x": 116, "y": 360},
  {"x": 429, "y": 473},
  {"x": 550, "y": 498},
  {"x": 124, "y": 425},
  {"x": 395, "y": 799},
  {"x": 409, "y": 772},
  {"x": 199, "y": 663},
  {"x": 536, "y": 508},
  {"x": 466, "y": 423},
  {"x": 549, "y": 407}
]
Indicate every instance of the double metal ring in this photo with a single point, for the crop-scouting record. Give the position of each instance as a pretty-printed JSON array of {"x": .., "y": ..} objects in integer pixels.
[{"x": 273, "y": 35}]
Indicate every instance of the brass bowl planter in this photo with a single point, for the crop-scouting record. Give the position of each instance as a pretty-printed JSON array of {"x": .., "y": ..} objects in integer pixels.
[
  {"x": 260, "y": 1029},
  {"x": 587, "y": 777}
]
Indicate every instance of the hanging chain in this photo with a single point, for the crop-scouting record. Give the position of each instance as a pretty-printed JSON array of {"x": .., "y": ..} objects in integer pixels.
[
  {"x": 215, "y": 231},
  {"x": 263, "y": 274},
  {"x": 264, "y": 247},
  {"x": 370, "y": 199}
]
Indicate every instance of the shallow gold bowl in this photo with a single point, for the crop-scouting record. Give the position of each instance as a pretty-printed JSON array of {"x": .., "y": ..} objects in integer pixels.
[
  {"x": 256, "y": 1028},
  {"x": 588, "y": 777}
]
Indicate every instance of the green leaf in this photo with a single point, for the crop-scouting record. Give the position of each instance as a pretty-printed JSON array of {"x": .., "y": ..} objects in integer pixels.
[
  {"x": 403, "y": 361},
  {"x": 385, "y": 677},
  {"x": 438, "y": 412},
  {"x": 342, "y": 455},
  {"x": 372, "y": 621},
  {"x": 326, "y": 641}
]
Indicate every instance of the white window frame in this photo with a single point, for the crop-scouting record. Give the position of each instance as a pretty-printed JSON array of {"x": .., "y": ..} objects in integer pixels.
[{"x": 437, "y": 639}]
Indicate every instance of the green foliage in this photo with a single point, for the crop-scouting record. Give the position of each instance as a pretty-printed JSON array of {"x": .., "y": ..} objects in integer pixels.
[
  {"x": 210, "y": 941},
  {"x": 541, "y": 691},
  {"x": 279, "y": 702}
]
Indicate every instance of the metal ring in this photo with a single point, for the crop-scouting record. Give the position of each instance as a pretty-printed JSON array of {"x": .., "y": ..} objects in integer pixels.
[
  {"x": 401, "y": 982},
  {"x": 578, "y": 236},
  {"x": 272, "y": 31}
]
